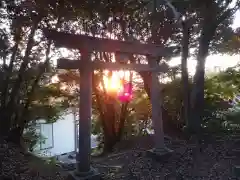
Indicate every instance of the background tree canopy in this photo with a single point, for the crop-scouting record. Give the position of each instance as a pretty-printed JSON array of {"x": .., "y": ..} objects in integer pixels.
[{"x": 28, "y": 92}]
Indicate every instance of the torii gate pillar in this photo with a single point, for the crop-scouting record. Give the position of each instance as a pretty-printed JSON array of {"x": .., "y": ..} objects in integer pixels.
[
  {"x": 160, "y": 151},
  {"x": 84, "y": 171}
]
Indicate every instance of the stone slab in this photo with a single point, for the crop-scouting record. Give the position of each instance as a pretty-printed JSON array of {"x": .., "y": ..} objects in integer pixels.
[
  {"x": 236, "y": 170},
  {"x": 159, "y": 154},
  {"x": 93, "y": 174},
  {"x": 236, "y": 151}
]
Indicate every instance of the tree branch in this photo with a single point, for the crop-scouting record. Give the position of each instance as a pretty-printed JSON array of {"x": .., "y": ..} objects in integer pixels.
[
  {"x": 229, "y": 12},
  {"x": 5, "y": 88},
  {"x": 30, "y": 94},
  {"x": 23, "y": 67}
]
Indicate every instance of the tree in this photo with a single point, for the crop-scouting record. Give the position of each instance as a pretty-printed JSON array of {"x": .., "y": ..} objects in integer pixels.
[
  {"x": 26, "y": 91},
  {"x": 231, "y": 44},
  {"x": 216, "y": 14},
  {"x": 108, "y": 111}
]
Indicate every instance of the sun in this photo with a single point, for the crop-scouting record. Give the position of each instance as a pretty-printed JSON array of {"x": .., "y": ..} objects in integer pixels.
[{"x": 112, "y": 84}]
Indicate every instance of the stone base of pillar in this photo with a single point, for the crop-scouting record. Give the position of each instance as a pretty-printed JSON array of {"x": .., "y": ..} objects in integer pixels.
[
  {"x": 93, "y": 174},
  {"x": 159, "y": 154},
  {"x": 236, "y": 171}
]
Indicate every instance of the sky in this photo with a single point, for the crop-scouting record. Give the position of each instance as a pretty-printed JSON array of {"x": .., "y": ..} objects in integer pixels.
[{"x": 214, "y": 62}]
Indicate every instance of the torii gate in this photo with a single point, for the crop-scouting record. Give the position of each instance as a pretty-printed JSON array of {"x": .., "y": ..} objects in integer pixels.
[{"x": 87, "y": 45}]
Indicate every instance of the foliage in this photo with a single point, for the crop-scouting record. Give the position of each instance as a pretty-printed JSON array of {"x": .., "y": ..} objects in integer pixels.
[
  {"x": 172, "y": 101},
  {"x": 217, "y": 93},
  {"x": 27, "y": 92},
  {"x": 218, "y": 90},
  {"x": 32, "y": 138},
  {"x": 232, "y": 43},
  {"x": 51, "y": 161},
  {"x": 219, "y": 112},
  {"x": 139, "y": 118}
]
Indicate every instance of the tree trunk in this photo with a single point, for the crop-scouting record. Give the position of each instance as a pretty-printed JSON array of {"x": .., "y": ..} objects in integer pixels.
[
  {"x": 15, "y": 136},
  {"x": 9, "y": 69},
  {"x": 209, "y": 25},
  {"x": 5, "y": 123},
  {"x": 110, "y": 134},
  {"x": 122, "y": 120},
  {"x": 184, "y": 71},
  {"x": 109, "y": 142},
  {"x": 22, "y": 117},
  {"x": 146, "y": 77},
  {"x": 17, "y": 85},
  {"x": 197, "y": 94},
  {"x": 107, "y": 118}
]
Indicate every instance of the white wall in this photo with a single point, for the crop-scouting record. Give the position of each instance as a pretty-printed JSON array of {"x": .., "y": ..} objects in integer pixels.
[
  {"x": 63, "y": 136},
  {"x": 63, "y": 133}
]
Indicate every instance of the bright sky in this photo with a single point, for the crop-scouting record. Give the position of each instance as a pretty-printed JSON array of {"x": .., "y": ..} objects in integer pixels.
[{"x": 215, "y": 61}]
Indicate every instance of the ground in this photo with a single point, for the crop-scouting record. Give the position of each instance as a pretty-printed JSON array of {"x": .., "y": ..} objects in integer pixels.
[
  {"x": 211, "y": 159},
  {"x": 18, "y": 165}
]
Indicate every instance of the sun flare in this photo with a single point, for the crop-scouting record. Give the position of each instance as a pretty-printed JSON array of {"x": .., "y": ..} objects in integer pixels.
[
  {"x": 111, "y": 84},
  {"x": 114, "y": 83}
]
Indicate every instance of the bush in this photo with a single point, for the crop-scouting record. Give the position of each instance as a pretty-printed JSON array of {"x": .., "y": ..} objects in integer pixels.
[{"x": 216, "y": 104}]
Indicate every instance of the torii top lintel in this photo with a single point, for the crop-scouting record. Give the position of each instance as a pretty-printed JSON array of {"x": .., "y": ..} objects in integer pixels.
[{"x": 84, "y": 42}]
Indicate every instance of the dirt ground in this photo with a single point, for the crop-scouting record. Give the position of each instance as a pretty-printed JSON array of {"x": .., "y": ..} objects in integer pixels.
[{"x": 211, "y": 159}]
